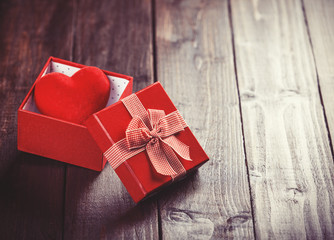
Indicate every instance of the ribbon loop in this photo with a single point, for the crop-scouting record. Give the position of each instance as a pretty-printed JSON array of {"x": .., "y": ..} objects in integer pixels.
[{"x": 137, "y": 133}]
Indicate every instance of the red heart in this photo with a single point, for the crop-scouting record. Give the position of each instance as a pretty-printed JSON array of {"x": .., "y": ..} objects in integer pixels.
[{"x": 72, "y": 98}]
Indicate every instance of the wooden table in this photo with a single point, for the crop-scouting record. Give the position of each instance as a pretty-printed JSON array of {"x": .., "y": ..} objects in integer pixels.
[{"x": 253, "y": 79}]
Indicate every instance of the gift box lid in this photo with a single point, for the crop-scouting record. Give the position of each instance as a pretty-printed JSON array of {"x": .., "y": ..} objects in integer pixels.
[{"x": 139, "y": 173}]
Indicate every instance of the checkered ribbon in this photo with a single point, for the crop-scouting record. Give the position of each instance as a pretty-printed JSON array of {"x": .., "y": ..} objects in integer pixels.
[{"x": 152, "y": 131}]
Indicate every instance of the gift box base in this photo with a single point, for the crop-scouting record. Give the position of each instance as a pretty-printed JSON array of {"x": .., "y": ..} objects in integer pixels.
[{"x": 61, "y": 140}]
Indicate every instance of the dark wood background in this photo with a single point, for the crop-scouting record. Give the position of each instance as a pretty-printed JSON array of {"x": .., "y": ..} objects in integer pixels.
[{"x": 253, "y": 79}]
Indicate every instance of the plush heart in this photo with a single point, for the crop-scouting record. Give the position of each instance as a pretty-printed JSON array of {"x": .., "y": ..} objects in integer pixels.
[{"x": 72, "y": 98}]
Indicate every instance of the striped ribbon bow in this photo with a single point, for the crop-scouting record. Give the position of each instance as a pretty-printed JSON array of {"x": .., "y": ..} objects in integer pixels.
[{"x": 154, "y": 132}]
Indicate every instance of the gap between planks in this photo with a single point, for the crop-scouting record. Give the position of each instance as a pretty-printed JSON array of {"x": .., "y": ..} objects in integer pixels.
[
  {"x": 240, "y": 110},
  {"x": 317, "y": 75}
]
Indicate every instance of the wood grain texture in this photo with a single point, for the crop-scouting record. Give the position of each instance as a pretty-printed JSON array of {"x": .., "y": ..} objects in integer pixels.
[
  {"x": 320, "y": 19},
  {"x": 289, "y": 158},
  {"x": 195, "y": 65},
  {"x": 113, "y": 35},
  {"x": 31, "y": 187}
]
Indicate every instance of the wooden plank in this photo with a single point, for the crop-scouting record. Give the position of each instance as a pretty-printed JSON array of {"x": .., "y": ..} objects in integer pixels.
[
  {"x": 288, "y": 152},
  {"x": 320, "y": 18},
  {"x": 195, "y": 65},
  {"x": 32, "y": 187},
  {"x": 113, "y": 35}
]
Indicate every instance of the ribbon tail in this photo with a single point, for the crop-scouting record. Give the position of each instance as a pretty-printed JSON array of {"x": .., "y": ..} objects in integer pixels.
[
  {"x": 158, "y": 159},
  {"x": 178, "y": 146},
  {"x": 173, "y": 161}
]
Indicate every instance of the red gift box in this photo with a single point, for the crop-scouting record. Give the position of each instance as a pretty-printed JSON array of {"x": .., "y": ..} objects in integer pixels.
[
  {"x": 110, "y": 127},
  {"x": 61, "y": 140}
]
